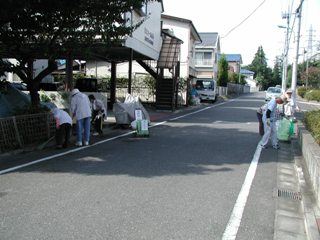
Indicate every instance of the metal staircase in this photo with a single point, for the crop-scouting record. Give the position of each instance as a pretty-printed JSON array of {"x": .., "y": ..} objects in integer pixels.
[{"x": 166, "y": 88}]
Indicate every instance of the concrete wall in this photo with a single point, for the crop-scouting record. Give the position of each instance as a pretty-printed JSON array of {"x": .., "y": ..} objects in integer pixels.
[{"x": 311, "y": 154}]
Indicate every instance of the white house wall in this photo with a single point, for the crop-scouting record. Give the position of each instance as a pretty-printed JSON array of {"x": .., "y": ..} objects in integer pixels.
[
  {"x": 146, "y": 39},
  {"x": 98, "y": 69},
  {"x": 181, "y": 31}
]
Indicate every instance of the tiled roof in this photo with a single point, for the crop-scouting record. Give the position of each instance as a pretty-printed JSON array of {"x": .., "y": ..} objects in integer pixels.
[
  {"x": 246, "y": 71},
  {"x": 232, "y": 57},
  {"x": 208, "y": 39}
]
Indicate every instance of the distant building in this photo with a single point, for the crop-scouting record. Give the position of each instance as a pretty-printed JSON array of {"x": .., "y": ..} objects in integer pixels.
[
  {"x": 249, "y": 78},
  {"x": 234, "y": 62},
  {"x": 206, "y": 57}
]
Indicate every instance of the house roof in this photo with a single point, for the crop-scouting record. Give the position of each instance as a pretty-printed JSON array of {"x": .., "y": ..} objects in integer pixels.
[
  {"x": 232, "y": 57},
  {"x": 209, "y": 39},
  {"x": 246, "y": 71},
  {"x": 187, "y": 21}
]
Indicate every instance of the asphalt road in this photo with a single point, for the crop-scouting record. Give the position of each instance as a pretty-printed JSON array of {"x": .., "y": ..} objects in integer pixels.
[{"x": 198, "y": 176}]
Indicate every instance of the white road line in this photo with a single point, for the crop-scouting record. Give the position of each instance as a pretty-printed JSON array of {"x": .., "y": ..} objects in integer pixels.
[
  {"x": 231, "y": 230},
  {"x": 98, "y": 143},
  {"x": 62, "y": 154}
]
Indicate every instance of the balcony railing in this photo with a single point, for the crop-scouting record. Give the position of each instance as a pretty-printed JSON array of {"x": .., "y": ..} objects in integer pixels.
[{"x": 204, "y": 62}]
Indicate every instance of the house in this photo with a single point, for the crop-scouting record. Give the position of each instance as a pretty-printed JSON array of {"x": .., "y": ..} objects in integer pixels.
[
  {"x": 186, "y": 31},
  {"x": 234, "y": 62},
  {"x": 248, "y": 77},
  {"x": 206, "y": 55},
  {"x": 145, "y": 43}
]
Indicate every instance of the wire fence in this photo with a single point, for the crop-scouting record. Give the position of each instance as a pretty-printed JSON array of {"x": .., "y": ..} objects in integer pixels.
[{"x": 20, "y": 131}]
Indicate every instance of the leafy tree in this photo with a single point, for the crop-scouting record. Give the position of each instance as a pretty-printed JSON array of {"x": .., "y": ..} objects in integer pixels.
[
  {"x": 222, "y": 71},
  {"x": 53, "y": 29},
  {"x": 263, "y": 74},
  {"x": 313, "y": 77},
  {"x": 276, "y": 74}
]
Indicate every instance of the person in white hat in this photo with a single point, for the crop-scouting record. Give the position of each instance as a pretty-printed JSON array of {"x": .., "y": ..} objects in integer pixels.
[
  {"x": 80, "y": 109},
  {"x": 289, "y": 109},
  {"x": 269, "y": 121}
]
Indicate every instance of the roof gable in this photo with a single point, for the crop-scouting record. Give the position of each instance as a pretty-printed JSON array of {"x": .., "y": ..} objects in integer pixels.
[
  {"x": 208, "y": 39},
  {"x": 232, "y": 57},
  {"x": 194, "y": 31}
]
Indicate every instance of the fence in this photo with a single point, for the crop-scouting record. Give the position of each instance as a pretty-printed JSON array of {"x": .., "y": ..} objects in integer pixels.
[{"x": 20, "y": 131}]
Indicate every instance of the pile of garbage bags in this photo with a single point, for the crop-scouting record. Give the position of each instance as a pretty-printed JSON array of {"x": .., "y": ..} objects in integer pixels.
[{"x": 125, "y": 112}]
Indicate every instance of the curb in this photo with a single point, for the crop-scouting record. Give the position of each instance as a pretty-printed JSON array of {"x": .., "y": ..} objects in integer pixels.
[{"x": 309, "y": 207}]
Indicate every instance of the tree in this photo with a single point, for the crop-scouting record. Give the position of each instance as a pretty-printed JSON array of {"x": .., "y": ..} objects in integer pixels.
[
  {"x": 222, "y": 71},
  {"x": 53, "y": 29},
  {"x": 259, "y": 66},
  {"x": 276, "y": 73}
]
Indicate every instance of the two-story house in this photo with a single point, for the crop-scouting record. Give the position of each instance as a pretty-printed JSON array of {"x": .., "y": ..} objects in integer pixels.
[
  {"x": 206, "y": 55},
  {"x": 185, "y": 30},
  {"x": 234, "y": 62}
]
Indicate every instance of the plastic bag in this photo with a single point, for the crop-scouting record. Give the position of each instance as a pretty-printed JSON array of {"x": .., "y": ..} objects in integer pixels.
[{"x": 285, "y": 129}]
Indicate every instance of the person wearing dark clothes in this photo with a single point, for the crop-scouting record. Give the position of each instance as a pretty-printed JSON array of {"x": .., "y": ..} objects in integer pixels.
[
  {"x": 99, "y": 113},
  {"x": 63, "y": 127}
]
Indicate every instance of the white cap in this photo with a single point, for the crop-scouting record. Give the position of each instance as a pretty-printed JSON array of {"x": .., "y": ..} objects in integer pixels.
[{"x": 74, "y": 91}]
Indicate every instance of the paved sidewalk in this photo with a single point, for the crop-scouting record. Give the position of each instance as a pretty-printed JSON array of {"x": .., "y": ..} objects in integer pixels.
[{"x": 297, "y": 213}]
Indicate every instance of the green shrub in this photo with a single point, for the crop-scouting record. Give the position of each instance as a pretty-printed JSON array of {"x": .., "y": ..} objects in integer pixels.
[
  {"x": 312, "y": 123},
  {"x": 30, "y": 109},
  {"x": 302, "y": 91},
  {"x": 44, "y": 98},
  {"x": 313, "y": 94}
]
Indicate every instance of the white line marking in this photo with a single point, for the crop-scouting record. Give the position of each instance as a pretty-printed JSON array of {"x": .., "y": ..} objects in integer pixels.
[
  {"x": 231, "y": 230},
  {"x": 100, "y": 142},
  {"x": 61, "y": 154}
]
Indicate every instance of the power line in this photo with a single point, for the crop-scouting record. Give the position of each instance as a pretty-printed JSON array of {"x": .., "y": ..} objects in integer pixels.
[{"x": 245, "y": 19}]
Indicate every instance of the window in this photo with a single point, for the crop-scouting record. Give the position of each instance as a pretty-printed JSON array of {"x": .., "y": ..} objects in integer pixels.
[{"x": 204, "y": 58}]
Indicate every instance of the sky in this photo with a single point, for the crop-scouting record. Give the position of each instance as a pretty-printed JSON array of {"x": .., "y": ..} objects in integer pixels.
[{"x": 244, "y": 25}]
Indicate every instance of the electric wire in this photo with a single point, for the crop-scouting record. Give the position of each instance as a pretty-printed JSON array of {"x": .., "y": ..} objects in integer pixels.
[{"x": 245, "y": 19}]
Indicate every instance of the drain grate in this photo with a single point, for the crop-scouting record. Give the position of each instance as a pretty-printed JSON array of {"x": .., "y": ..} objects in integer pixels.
[{"x": 289, "y": 194}]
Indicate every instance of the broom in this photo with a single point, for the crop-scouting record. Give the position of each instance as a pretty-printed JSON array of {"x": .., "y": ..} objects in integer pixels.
[{"x": 42, "y": 145}]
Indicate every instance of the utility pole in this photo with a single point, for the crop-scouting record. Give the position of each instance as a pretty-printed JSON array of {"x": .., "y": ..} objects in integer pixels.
[
  {"x": 285, "y": 54},
  {"x": 295, "y": 63},
  {"x": 309, "y": 53}
]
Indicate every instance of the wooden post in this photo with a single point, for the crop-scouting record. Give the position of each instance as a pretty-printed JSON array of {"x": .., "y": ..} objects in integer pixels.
[
  {"x": 69, "y": 71},
  {"x": 130, "y": 71},
  {"x": 16, "y": 131},
  {"x": 113, "y": 83}
]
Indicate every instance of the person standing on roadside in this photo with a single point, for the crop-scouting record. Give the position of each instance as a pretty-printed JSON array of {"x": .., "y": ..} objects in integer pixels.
[
  {"x": 289, "y": 108},
  {"x": 269, "y": 122},
  {"x": 260, "y": 111},
  {"x": 80, "y": 109},
  {"x": 98, "y": 113},
  {"x": 63, "y": 127}
]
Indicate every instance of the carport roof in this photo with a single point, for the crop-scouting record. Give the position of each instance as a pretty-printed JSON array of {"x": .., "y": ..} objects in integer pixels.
[{"x": 98, "y": 51}]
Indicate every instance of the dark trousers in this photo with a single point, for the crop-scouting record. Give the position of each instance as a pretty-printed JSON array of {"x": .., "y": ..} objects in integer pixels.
[
  {"x": 97, "y": 121},
  {"x": 261, "y": 128},
  {"x": 63, "y": 134}
]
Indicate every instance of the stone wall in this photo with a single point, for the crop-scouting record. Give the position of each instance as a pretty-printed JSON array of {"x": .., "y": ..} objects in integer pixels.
[{"x": 311, "y": 154}]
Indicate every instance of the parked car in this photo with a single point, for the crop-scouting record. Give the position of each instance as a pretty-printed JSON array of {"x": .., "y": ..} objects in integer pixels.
[
  {"x": 272, "y": 92},
  {"x": 19, "y": 85},
  {"x": 52, "y": 86}
]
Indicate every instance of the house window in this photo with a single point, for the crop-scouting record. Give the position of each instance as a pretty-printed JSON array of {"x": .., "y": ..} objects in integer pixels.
[{"x": 204, "y": 58}]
